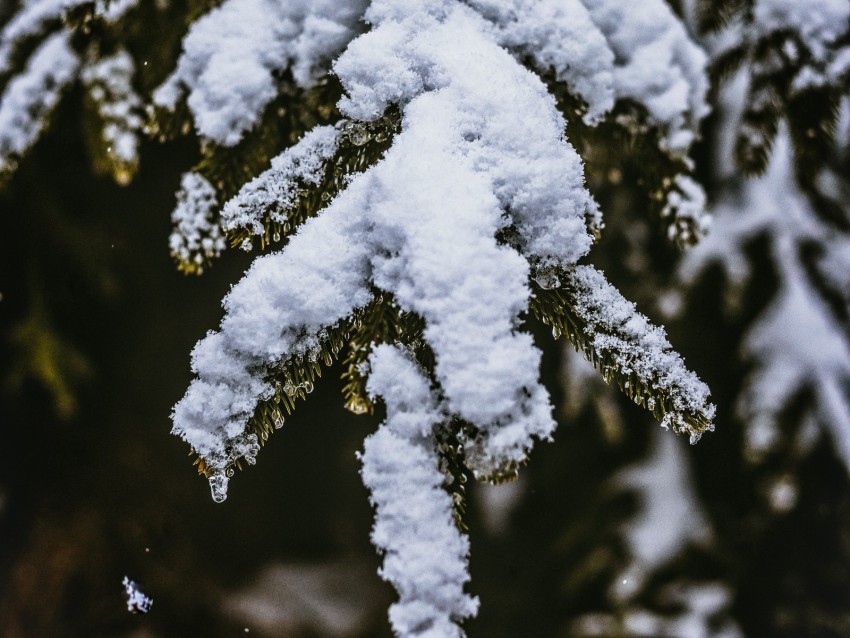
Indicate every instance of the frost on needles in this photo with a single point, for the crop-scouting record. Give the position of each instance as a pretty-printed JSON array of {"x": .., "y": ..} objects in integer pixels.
[{"x": 472, "y": 214}]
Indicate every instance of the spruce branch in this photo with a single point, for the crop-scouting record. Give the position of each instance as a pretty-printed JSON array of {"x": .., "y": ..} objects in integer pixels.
[
  {"x": 304, "y": 178},
  {"x": 116, "y": 111},
  {"x": 583, "y": 307},
  {"x": 795, "y": 60},
  {"x": 714, "y": 15},
  {"x": 196, "y": 238},
  {"x": 628, "y": 146},
  {"x": 291, "y": 380},
  {"x": 382, "y": 321}
]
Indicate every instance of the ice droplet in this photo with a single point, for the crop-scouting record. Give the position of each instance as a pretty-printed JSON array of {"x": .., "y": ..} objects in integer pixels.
[
  {"x": 358, "y": 407},
  {"x": 358, "y": 136},
  {"x": 276, "y": 236},
  {"x": 218, "y": 486},
  {"x": 547, "y": 278}
]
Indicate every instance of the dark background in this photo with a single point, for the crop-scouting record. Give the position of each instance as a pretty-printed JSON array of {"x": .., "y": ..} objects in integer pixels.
[{"x": 96, "y": 491}]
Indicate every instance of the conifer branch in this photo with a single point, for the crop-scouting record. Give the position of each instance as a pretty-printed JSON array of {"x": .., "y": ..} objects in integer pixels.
[
  {"x": 382, "y": 321},
  {"x": 291, "y": 379},
  {"x": 117, "y": 109},
  {"x": 713, "y": 15},
  {"x": 304, "y": 178},
  {"x": 628, "y": 145},
  {"x": 196, "y": 238},
  {"x": 582, "y": 306}
]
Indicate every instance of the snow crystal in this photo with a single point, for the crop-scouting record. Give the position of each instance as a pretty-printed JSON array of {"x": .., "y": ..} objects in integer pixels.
[
  {"x": 196, "y": 238},
  {"x": 31, "y": 96},
  {"x": 425, "y": 556},
  {"x": 233, "y": 55},
  {"x": 657, "y": 65},
  {"x": 137, "y": 601},
  {"x": 274, "y": 192}
]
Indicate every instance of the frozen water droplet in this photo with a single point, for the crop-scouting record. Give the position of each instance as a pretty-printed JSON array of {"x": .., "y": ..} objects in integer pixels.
[
  {"x": 230, "y": 472},
  {"x": 308, "y": 386},
  {"x": 276, "y": 236},
  {"x": 218, "y": 487},
  {"x": 556, "y": 332},
  {"x": 278, "y": 420},
  {"x": 358, "y": 136},
  {"x": 358, "y": 407},
  {"x": 548, "y": 278}
]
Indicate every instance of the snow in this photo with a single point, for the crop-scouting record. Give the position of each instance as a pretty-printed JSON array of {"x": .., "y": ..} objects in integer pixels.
[
  {"x": 276, "y": 191},
  {"x": 686, "y": 206},
  {"x": 196, "y": 237},
  {"x": 639, "y": 348},
  {"x": 110, "y": 85},
  {"x": 469, "y": 164},
  {"x": 657, "y": 65},
  {"x": 818, "y": 23},
  {"x": 559, "y": 37},
  {"x": 796, "y": 344},
  {"x": 31, "y": 20},
  {"x": 30, "y": 97},
  {"x": 669, "y": 518},
  {"x": 425, "y": 556},
  {"x": 651, "y": 596},
  {"x": 37, "y": 16},
  {"x": 813, "y": 37},
  {"x": 421, "y": 224},
  {"x": 137, "y": 601},
  {"x": 233, "y": 55}
]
